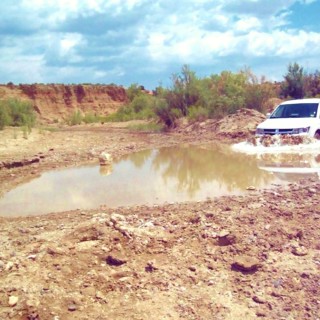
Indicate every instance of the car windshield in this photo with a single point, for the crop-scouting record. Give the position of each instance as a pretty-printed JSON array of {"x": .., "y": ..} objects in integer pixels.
[{"x": 297, "y": 110}]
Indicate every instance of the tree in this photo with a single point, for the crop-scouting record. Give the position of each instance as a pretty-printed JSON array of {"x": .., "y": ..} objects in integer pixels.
[
  {"x": 293, "y": 85},
  {"x": 312, "y": 84},
  {"x": 184, "y": 92},
  {"x": 134, "y": 90}
]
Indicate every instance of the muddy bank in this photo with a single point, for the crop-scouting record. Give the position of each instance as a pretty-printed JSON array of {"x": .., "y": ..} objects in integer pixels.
[{"x": 254, "y": 256}]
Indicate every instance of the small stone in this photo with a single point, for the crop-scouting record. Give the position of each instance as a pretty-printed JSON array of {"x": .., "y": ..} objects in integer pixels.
[
  {"x": 72, "y": 307},
  {"x": 193, "y": 268},
  {"x": 246, "y": 264},
  {"x": 251, "y": 188},
  {"x": 116, "y": 218},
  {"x": 100, "y": 296},
  {"x": 261, "y": 313},
  {"x": 150, "y": 267},
  {"x": 211, "y": 282},
  {"x": 13, "y": 300},
  {"x": 9, "y": 266},
  {"x": 105, "y": 158},
  {"x": 258, "y": 299},
  {"x": 223, "y": 233},
  {"x": 53, "y": 250},
  {"x": 226, "y": 239},
  {"x": 299, "y": 251},
  {"x": 312, "y": 190},
  {"x": 112, "y": 261},
  {"x": 33, "y": 316}
]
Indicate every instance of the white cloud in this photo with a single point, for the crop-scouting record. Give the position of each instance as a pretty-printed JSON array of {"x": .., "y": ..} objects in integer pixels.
[
  {"x": 100, "y": 39},
  {"x": 247, "y": 24},
  {"x": 281, "y": 43}
]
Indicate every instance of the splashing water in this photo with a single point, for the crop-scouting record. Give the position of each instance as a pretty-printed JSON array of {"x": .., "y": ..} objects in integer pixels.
[
  {"x": 278, "y": 144},
  {"x": 284, "y": 156}
]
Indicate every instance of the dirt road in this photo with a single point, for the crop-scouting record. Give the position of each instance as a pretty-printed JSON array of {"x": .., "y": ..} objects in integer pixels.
[{"x": 244, "y": 257}]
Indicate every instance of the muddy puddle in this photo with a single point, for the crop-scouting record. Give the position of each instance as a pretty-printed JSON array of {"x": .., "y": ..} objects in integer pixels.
[{"x": 185, "y": 173}]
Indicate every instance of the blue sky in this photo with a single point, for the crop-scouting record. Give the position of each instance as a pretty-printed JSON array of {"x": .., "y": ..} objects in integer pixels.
[{"x": 146, "y": 41}]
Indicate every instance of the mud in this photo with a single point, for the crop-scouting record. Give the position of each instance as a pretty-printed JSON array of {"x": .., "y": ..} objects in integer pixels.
[{"x": 233, "y": 257}]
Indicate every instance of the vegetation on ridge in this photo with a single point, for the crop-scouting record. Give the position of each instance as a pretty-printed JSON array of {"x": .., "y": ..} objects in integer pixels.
[
  {"x": 214, "y": 96},
  {"x": 188, "y": 96}
]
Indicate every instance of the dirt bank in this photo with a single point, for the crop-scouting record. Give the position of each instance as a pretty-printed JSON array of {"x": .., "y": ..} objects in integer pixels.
[
  {"x": 54, "y": 103},
  {"x": 253, "y": 256}
]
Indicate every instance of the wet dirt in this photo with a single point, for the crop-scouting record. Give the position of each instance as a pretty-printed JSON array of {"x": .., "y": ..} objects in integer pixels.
[{"x": 230, "y": 257}]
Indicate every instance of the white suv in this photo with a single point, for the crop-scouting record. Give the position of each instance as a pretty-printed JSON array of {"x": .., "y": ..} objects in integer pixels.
[{"x": 294, "y": 117}]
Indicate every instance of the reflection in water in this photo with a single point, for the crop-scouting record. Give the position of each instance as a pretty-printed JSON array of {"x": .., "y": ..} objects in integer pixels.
[
  {"x": 105, "y": 170},
  {"x": 291, "y": 166},
  {"x": 151, "y": 176},
  {"x": 192, "y": 167}
]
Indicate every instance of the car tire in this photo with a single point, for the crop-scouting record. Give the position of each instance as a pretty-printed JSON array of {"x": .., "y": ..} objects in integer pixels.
[{"x": 317, "y": 135}]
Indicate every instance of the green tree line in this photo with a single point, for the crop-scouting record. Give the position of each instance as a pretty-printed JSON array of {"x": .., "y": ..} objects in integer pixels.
[{"x": 215, "y": 96}]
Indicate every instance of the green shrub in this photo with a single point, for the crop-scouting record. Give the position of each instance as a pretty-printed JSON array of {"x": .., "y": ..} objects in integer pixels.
[
  {"x": 198, "y": 113},
  {"x": 166, "y": 114},
  {"x": 91, "y": 118},
  {"x": 17, "y": 113},
  {"x": 5, "y": 119},
  {"x": 147, "y": 127},
  {"x": 75, "y": 118},
  {"x": 140, "y": 108}
]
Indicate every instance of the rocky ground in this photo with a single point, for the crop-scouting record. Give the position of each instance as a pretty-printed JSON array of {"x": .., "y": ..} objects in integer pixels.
[{"x": 240, "y": 257}]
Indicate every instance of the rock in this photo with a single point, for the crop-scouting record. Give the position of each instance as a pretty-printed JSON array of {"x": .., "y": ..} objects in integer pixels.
[
  {"x": 251, "y": 188},
  {"x": 150, "y": 267},
  {"x": 246, "y": 264},
  {"x": 13, "y": 300},
  {"x": 9, "y": 266},
  {"x": 258, "y": 299},
  {"x": 261, "y": 313},
  {"x": 299, "y": 251},
  {"x": 312, "y": 190},
  {"x": 226, "y": 239},
  {"x": 105, "y": 158},
  {"x": 112, "y": 261},
  {"x": 100, "y": 296},
  {"x": 33, "y": 316},
  {"x": 116, "y": 218},
  {"x": 72, "y": 307},
  {"x": 192, "y": 268},
  {"x": 53, "y": 250}
]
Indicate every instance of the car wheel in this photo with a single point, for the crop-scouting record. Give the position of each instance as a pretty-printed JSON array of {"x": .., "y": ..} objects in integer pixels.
[{"x": 317, "y": 135}]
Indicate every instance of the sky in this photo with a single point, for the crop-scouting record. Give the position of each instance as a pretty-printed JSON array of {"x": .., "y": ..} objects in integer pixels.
[{"x": 146, "y": 41}]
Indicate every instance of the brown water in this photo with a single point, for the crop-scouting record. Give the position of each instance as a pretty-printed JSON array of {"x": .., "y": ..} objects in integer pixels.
[{"x": 146, "y": 177}]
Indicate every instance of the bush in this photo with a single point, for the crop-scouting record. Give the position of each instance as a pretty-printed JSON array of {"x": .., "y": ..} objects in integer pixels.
[
  {"x": 166, "y": 114},
  {"x": 91, "y": 118},
  {"x": 5, "y": 119},
  {"x": 17, "y": 113},
  {"x": 198, "y": 113},
  {"x": 75, "y": 118},
  {"x": 147, "y": 127},
  {"x": 140, "y": 108}
]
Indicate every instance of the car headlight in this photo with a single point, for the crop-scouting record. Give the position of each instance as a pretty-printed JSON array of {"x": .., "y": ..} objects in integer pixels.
[
  {"x": 300, "y": 130},
  {"x": 259, "y": 131}
]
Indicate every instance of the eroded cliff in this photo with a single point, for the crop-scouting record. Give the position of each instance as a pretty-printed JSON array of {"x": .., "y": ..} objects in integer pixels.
[{"x": 55, "y": 102}]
